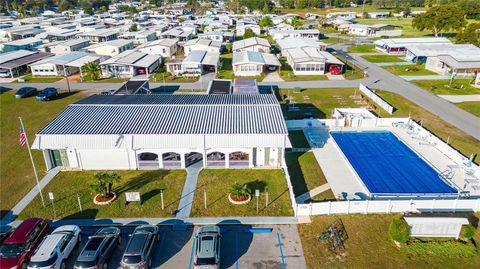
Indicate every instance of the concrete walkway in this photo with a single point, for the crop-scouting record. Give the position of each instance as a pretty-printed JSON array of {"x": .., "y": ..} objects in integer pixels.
[
  {"x": 462, "y": 98},
  {"x": 176, "y": 222},
  {"x": 27, "y": 199},
  {"x": 186, "y": 201},
  {"x": 312, "y": 193},
  {"x": 272, "y": 77},
  {"x": 394, "y": 63}
]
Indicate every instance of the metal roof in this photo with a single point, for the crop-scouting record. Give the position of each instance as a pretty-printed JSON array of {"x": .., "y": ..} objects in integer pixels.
[
  {"x": 25, "y": 60},
  {"x": 63, "y": 59},
  {"x": 244, "y": 57},
  {"x": 402, "y": 42},
  {"x": 252, "y": 41},
  {"x": 10, "y": 56},
  {"x": 170, "y": 114}
]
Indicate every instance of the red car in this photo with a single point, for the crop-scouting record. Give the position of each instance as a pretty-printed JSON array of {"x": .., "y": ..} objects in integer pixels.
[
  {"x": 335, "y": 70},
  {"x": 20, "y": 245}
]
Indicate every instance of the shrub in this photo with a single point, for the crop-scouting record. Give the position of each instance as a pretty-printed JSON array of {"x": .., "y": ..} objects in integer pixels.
[
  {"x": 239, "y": 190},
  {"x": 399, "y": 230},
  {"x": 443, "y": 248},
  {"x": 467, "y": 232}
]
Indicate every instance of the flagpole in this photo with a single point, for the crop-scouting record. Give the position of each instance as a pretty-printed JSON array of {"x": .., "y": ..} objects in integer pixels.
[{"x": 31, "y": 159}]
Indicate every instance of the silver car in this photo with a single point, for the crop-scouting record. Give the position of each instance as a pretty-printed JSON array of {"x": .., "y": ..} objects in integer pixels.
[{"x": 207, "y": 248}]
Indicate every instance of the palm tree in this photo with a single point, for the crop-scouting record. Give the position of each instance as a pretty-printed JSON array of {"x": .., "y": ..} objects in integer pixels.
[
  {"x": 103, "y": 183},
  {"x": 92, "y": 69},
  {"x": 239, "y": 190}
]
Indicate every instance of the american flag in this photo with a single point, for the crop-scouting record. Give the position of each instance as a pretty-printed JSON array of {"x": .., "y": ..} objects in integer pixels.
[{"x": 22, "y": 139}]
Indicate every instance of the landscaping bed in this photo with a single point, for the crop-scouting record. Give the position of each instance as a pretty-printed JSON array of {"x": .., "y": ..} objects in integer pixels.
[
  {"x": 66, "y": 186},
  {"x": 217, "y": 183}
]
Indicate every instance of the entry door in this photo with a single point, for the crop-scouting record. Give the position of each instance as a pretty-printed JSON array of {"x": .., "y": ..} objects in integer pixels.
[{"x": 56, "y": 158}]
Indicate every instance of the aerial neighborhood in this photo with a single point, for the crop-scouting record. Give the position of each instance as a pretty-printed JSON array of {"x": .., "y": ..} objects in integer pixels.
[{"x": 239, "y": 134}]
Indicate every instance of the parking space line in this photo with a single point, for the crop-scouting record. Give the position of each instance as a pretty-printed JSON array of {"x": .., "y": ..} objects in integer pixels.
[
  {"x": 191, "y": 253},
  {"x": 281, "y": 250},
  {"x": 236, "y": 250}
]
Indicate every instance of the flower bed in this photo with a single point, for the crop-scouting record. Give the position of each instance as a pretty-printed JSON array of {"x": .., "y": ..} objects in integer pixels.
[
  {"x": 100, "y": 200},
  {"x": 239, "y": 201}
]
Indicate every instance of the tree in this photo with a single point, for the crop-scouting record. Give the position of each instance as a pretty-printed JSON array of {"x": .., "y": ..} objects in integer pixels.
[
  {"x": 92, "y": 69},
  {"x": 440, "y": 18},
  {"x": 239, "y": 190},
  {"x": 103, "y": 183},
  {"x": 228, "y": 47},
  {"x": 133, "y": 27},
  {"x": 266, "y": 22},
  {"x": 469, "y": 35},
  {"x": 248, "y": 33},
  {"x": 63, "y": 5},
  {"x": 295, "y": 22}
]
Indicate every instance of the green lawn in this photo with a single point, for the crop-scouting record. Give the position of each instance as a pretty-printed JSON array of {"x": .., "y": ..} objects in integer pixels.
[
  {"x": 319, "y": 102},
  {"x": 15, "y": 168},
  {"x": 409, "y": 70},
  {"x": 457, "y": 87},
  {"x": 148, "y": 183},
  {"x": 472, "y": 107},
  {"x": 458, "y": 139},
  {"x": 322, "y": 197},
  {"x": 362, "y": 48},
  {"x": 304, "y": 171},
  {"x": 369, "y": 246},
  {"x": 32, "y": 79},
  {"x": 217, "y": 182},
  {"x": 87, "y": 78},
  {"x": 382, "y": 58},
  {"x": 298, "y": 139},
  {"x": 158, "y": 77}
]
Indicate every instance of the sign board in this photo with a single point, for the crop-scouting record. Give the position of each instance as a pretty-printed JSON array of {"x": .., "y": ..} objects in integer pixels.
[
  {"x": 435, "y": 226},
  {"x": 257, "y": 192},
  {"x": 50, "y": 196},
  {"x": 132, "y": 197}
]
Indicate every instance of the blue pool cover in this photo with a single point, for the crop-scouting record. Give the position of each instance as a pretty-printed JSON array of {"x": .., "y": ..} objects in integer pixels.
[{"x": 389, "y": 167}]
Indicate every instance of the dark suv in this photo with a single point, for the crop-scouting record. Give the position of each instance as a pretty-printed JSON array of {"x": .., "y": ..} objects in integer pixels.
[
  {"x": 98, "y": 249},
  {"x": 20, "y": 245},
  {"x": 139, "y": 248}
]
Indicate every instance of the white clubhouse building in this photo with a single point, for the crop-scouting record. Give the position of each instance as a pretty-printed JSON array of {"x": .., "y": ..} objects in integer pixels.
[{"x": 166, "y": 131}]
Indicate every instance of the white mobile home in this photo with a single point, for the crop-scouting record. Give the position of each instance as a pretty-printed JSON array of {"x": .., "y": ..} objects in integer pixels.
[
  {"x": 195, "y": 64},
  {"x": 110, "y": 48},
  {"x": 130, "y": 63},
  {"x": 201, "y": 44},
  {"x": 376, "y": 30},
  {"x": 309, "y": 33},
  {"x": 253, "y": 63},
  {"x": 310, "y": 61},
  {"x": 399, "y": 45},
  {"x": 164, "y": 47},
  {"x": 252, "y": 44}
]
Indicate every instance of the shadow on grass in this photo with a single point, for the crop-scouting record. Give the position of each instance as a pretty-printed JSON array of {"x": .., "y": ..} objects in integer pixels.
[
  {"x": 90, "y": 213},
  {"x": 285, "y": 192},
  {"x": 257, "y": 185},
  {"x": 141, "y": 180},
  {"x": 296, "y": 174},
  {"x": 150, "y": 194},
  {"x": 65, "y": 94}
]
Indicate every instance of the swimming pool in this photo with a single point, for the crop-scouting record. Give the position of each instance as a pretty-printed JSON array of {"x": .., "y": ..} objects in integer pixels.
[{"x": 387, "y": 166}]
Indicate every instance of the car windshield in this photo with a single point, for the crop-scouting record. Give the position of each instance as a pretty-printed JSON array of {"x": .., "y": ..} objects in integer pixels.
[
  {"x": 10, "y": 250},
  {"x": 132, "y": 259},
  {"x": 205, "y": 261},
  {"x": 85, "y": 264}
]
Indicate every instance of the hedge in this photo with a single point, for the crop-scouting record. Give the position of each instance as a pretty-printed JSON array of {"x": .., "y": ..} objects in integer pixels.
[
  {"x": 399, "y": 230},
  {"x": 450, "y": 248}
]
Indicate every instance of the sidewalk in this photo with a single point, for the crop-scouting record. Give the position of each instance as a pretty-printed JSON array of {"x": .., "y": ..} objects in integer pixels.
[
  {"x": 461, "y": 98},
  {"x": 176, "y": 222},
  {"x": 186, "y": 201},
  {"x": 20, "y": 206}
]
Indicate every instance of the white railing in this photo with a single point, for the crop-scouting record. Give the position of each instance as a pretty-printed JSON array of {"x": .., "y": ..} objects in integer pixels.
[
  {"x": 388, "y": 206},
  {"x": 375, "y": 98},
  {"x": 290, "y": 190}
]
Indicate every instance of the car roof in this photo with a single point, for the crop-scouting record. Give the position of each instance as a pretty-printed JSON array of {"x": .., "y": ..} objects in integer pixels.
[
  {"x": 20, "y": 235},
  {"x": 91, "y": 248},
  {"x": 206, "y": 246},
  {"x": 136, "y": 243},
  {"x": 65, "y": 228},
  {"x": 47, "y": 247}
]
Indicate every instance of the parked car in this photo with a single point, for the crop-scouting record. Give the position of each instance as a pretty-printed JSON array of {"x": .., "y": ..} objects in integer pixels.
[
  {"x": 139, "y": 248},
  {"x": 20, "y": 245},
  {"x": 5, "y": 230},
  {"x": 207, "y": 248},
  {"x": 25, "y": 92},
  {"x": 99, "y": 248},
  {"x": 335, "y": 70},
  {"x": 5, "y": 74},
  {"x": 47, "y": 94},
  {"x": 56, "y": 248}
]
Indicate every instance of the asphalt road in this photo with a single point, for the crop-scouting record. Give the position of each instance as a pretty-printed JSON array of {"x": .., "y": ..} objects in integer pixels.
[{"x": 379, "y": 78}]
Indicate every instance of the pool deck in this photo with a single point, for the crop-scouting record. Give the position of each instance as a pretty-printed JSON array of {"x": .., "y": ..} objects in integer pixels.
[{"x": 344, "y": 180}]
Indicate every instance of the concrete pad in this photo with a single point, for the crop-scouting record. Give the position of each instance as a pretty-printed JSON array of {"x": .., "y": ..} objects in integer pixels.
[{"x": 462, "y": 98}]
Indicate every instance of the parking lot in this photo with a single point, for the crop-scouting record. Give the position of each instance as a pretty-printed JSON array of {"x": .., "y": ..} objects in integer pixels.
[{"x": 243, "y": 246}]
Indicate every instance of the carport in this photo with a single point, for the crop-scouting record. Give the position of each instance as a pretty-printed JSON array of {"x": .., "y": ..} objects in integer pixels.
[
  {"x": 17, "y": 60},
  {"x": 79, "y": 63}
]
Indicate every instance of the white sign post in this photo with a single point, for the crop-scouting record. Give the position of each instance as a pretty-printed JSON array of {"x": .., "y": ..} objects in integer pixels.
[
  {"x": 257, "y": 193},
  {"x": 79, "y": 203},
  {"x": 266, "y": 197},
  {"x": 161, "y": 198},
  {"x": 51, "y": 197}
]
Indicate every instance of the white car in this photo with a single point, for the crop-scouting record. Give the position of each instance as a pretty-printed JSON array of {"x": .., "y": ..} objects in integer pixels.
[
  {"x": 55, "y": 248},
  {"x": 4, "y": 74}
]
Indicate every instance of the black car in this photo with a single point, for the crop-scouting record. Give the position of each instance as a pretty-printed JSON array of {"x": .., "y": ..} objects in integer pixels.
[
  {"x": 26, "y": 92},
  {"x": 47, "y": 94},
  {"x": 99, "y": 248},
  {"x": 138, "y": 252},
  {"x": 5, "y": 230}
]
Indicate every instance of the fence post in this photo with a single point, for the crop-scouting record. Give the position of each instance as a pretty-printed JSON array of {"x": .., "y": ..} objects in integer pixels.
[
  {"x": 411, "y": 205},
  {"x": 366, "y": 206},
  {"x": 311, "y": 208},
  {"x": 389, "y": 207},
  {"x": 348, "y": 206},
  {"x": 433, "y": 206},
  {"x": 455, "y": 206},
  {"x": 329, "y": 207}
]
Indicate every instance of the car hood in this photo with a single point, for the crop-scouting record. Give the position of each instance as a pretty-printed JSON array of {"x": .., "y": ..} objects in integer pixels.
[{"x": 7, "y": 263}]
